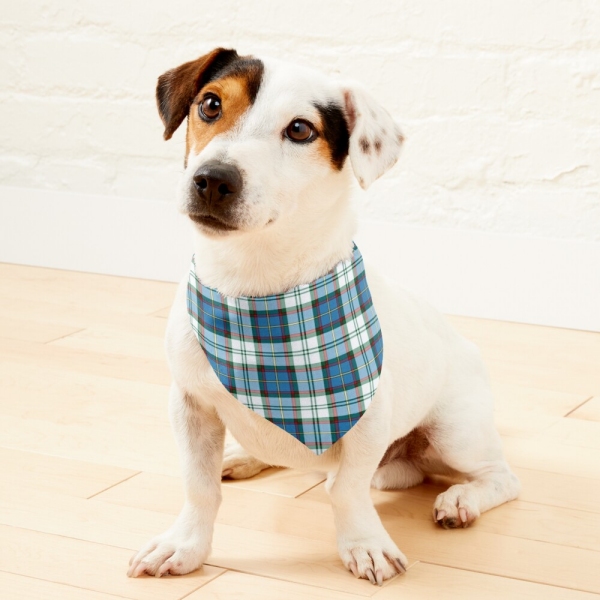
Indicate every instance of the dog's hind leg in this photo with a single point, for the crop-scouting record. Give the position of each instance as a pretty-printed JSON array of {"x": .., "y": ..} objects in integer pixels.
[
  {"x": 398, "y": 474},
  {"x": 400, "y": 466},
  {"x": 468, "y": 442},
  {"x": 238, "y": 464}
]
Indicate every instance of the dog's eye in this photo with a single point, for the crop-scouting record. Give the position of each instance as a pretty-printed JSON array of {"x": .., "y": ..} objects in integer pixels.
[
  {"x": 210, "y": 108},
  {"x": 299, "y": 130}
]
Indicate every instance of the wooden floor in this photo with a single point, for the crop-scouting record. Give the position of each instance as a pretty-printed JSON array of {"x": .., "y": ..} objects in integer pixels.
[{"x": 89, "y": 470}]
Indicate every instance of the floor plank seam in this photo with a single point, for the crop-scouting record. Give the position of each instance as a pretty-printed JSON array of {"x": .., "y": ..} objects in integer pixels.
[
  {"x": 560, "y": 506},
  {"x": 62, "y": 337},
  {"x": 70, "y": 537},
  {"x": 555, "y": 585},
  {"x": 76, "y": 587},
  {"x": 592, "y": 478},
  {"x": 307, "y": 584},
  {"x": 205, "y": 584},
  {"x": 578, "y": 406},
  {"x": 113, "y": 485},
  {"x": 312, "y": 487}
]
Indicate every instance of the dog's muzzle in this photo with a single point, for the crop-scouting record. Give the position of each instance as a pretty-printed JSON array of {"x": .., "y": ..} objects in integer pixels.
[{"x": 216, "y": 187}]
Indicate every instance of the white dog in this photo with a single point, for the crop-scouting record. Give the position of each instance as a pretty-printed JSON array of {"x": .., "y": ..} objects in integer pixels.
[{"x": 266, "y": 186}]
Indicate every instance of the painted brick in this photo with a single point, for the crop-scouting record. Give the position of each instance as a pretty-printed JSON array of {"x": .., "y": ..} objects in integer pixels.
[{"x": 499, "y": 100}]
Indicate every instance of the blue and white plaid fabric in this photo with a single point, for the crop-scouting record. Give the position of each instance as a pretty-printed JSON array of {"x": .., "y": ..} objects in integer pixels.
[{"x": 308, "y": 360}]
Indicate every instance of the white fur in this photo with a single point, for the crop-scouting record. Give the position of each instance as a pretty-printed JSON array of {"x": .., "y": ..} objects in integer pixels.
[{"x": 296, "y": 223}]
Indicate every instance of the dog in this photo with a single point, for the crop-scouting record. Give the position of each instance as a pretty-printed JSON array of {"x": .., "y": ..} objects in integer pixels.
[{"x": 271, "y": 150}]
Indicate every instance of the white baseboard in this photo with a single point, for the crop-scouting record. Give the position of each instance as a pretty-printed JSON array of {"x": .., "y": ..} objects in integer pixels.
[{"x": 531, "y": 280}]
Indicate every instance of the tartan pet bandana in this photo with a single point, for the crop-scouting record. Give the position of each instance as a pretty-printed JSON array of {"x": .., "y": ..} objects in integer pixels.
[{"x": 308, "y": 360}]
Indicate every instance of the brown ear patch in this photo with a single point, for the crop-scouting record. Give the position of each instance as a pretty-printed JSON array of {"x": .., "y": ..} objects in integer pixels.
[{"x": 176, "y": 89}]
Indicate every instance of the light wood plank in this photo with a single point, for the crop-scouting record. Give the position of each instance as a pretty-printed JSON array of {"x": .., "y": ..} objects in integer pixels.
[
  {"x": 49, "y": 473},
  {"x": 95, "y": 418},
  {"x": 18, "y": 587},
  {"x": 426, "y": 581},
  {"x": 551, "y": 456},
  {"x": 524, "y": 411},
  {"x": 79, "y": 361},
  {"x": 163, "y": 493},
  {"x": 90, "y": 566},
  {"x": 78, "y": 398},
  {"x": 282, "y": 482},
  {"x": 291, "y": 558},
  {"x": 555, "y": 489},
  {"x": 496, "y": 554},
  {"x": 111, "y": 340},
  {"x": 590, "y": 411},
  {"x": 33, "y": 331},
  {"x": 522, "y": 337},
  {"x": 573, "y": 432},
  {"x": 122, "y": 443},
  {"x": 564, "y": 526},
  {"x": 71, "y": 288},
  {"x": 556, "y": 359},
  {"x": 240, "y": 507},
  {"x": 250, "y": 587},
  {"x": 78, "y": 316}
]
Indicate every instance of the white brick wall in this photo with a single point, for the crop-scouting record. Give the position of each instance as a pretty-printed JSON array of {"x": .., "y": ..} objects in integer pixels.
[{"x": 500, "y": 99}]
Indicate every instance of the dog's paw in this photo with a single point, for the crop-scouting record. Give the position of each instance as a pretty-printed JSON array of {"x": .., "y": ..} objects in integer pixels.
[
  {"x": 372, "y": 559},
  {"x": 456, "y": 507},
  {"x": 170, "y": 554},
  {"x": 238, "y": 464}
]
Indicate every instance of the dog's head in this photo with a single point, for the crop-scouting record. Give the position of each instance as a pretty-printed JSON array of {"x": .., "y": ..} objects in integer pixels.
[{"x": 265, "y": 138}]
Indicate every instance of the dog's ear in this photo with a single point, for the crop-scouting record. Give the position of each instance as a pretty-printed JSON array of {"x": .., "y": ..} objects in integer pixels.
[
  {"x": 177, "y": 88},
  {"x": 375, "y": 138}
]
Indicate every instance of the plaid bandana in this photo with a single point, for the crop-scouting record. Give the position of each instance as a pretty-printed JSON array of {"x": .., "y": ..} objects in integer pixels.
[{"x": 308, "y": 360}]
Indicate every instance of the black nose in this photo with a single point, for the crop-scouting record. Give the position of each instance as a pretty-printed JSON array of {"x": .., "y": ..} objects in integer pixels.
[{"x": 218, "y": 183}]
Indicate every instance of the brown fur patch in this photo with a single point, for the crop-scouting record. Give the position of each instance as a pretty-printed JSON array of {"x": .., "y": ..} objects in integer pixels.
[
  {"x": 365, "y": 145},
  {"x": 177, "y": 88},
  {"x": 236, "y": 99},
  {"x": 411, "y": 447},
  {"x": 334, "y": 137},
  {"x": 377, "y": 145}
]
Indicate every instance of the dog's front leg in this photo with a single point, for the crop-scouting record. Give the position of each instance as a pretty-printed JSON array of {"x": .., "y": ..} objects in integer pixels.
[
  {"x": 365, "y": 546},
  {"x": 184, "y": 547}
]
